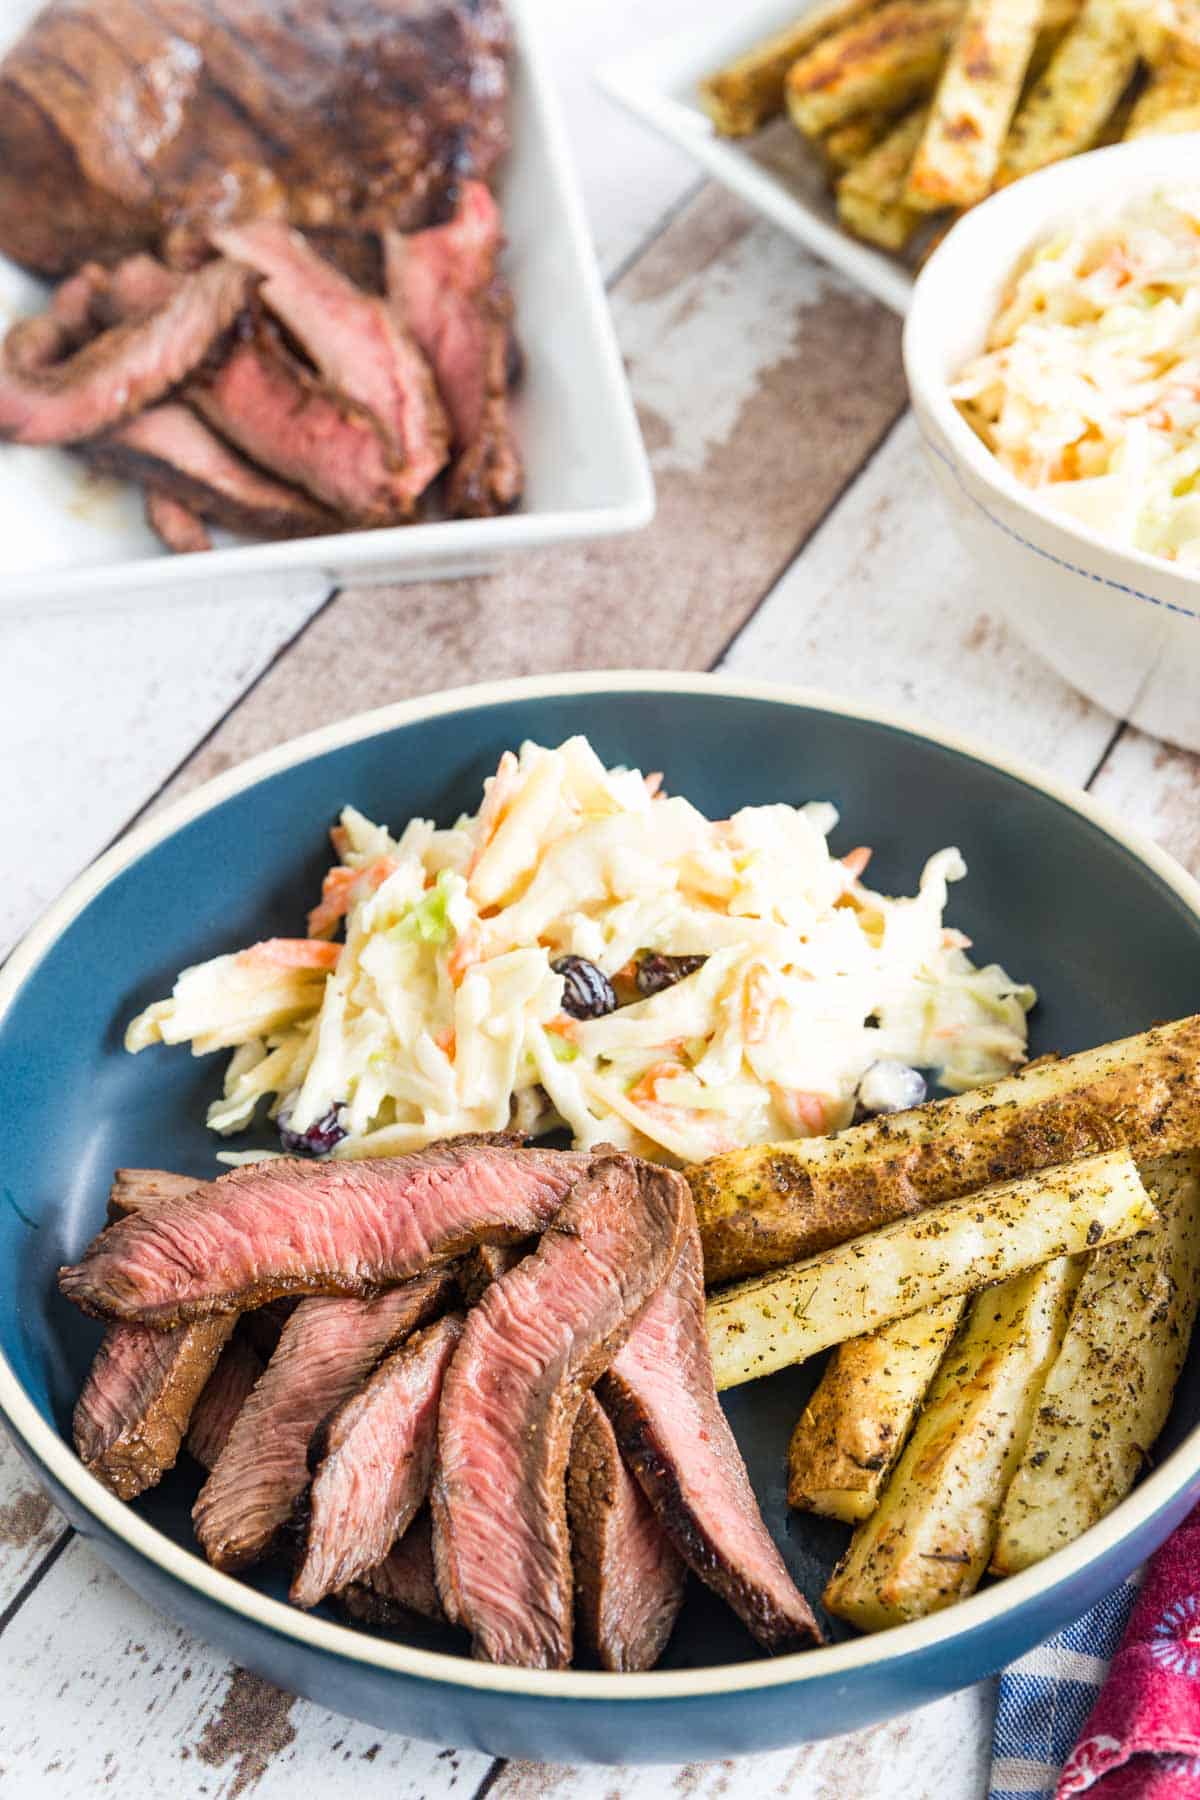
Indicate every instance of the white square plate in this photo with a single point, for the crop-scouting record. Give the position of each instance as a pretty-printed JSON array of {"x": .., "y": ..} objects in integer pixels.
[
  {"x": 775, "y": 170},
  {"x": 70, "y": 539}
]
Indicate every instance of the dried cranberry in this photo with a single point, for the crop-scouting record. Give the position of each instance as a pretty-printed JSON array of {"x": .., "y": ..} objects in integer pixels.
[
  {"x": 656, "y": 971},
  {"x": 587, "y": 991},
  {"x": 318, "y": 1140}
]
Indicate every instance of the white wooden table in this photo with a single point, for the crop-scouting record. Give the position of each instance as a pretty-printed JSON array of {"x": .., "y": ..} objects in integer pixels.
[{"x": 797, "y": 538}]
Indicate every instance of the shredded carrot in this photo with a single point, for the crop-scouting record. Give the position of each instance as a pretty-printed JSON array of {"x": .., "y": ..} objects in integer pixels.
[
  {"x": 341, "y": 888},
  {"x": 653, "y": 783},
  {"x": 339, "y": 837},
  {"x": 804, "y": 1111},
  {"x": 757, "y": 1001},
  {"x": 465, "y": 952},
  {"x": 645, "y": 1089},
  {"x": 955, "y": 940},
  {"x": 290, "y": 953},
  {"x": 563, "y": 1026},
  {"x": 447, "y": 1041},
  {"x": 855, "y": 861},
  {"x": 501, "y": 790}
]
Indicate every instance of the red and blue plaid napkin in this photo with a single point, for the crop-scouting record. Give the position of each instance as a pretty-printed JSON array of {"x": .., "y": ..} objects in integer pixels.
[{"x": 1111, "y": 1707}]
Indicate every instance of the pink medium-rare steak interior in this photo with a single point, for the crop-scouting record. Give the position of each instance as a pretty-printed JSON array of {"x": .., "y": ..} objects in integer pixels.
[
  {"x": 225, "y": 1394},
  {"x": 290, "y": 1227},
  {"x": 662, "y": 1399},
  {"x": 532, "y": 1347},
  {"x": 326, "y": 1350},
  {"x": 371, "y": 1461},
  {"x": 403, "y": 1583}
]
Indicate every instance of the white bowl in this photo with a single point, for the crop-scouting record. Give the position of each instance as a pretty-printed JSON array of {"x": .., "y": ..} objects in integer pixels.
[
  {"x": 71, "y": 540},
  {"x": 1119, "y": 624}
]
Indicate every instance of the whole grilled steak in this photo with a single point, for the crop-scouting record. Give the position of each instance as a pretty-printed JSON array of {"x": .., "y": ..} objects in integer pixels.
[
  {"x": 132, "y": 1415},
  {"x": 629, "y": 1581},
  {"x": 661, "y": 1397},
  {"x": 226, "y": 1392},
  {"x": 326, "y": 1350},
  {"x": 121, "y": 118},
  {"x": 126, "y": 368},
  {"x": 403, "y": 1583},
  {"x": 532, "y": 1348},
  {"x": 173, "y": 452},
  {"x": 140, "y": 1392},
  {"x": 371, "y": 1461},
  {"x": 444, "y": 285},
  {"x": 293, "y": 1227},
  {"x": 357, "y": 342}
]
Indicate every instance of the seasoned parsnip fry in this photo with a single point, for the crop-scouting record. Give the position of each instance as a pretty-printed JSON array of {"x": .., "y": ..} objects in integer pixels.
[
  {"x": 1170, "y": 103},
  {"x": 849, "y": 143},
  {"x": 885, "y": 60},
  {"x": 1168, "y": 32},
  {"x": 870, "y": 195},
  {"x": 749, "y": 91},
  {"x": 928, "y": 1541},
  {"x": 772, "y": 1203},
  {"x": 764, "y": 1324},
  {"x": 1066, "y": 109},
  {"x": 956, "y": 159},
  {"x": 856, "y": 1422},
  {"x": 1108, "y": 1395}
]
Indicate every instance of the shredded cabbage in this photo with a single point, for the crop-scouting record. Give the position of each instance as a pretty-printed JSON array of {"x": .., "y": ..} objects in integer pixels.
[
  {"x": 1089, "y": 388},
  {"x": 441, "y": 1012}
]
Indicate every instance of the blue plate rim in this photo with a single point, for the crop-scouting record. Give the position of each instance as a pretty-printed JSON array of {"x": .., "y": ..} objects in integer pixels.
[{"x": 883, "y": 1649}]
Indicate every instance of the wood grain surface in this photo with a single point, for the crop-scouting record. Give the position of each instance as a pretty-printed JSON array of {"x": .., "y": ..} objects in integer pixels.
[{"x": 798, "y": 538}]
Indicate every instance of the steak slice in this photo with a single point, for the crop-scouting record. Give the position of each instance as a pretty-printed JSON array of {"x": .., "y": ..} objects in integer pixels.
[
  {"x": 629, "y": 1581},
  {"x": 133, "y": 1190},
  {"x": 176, "y": 455},
  {"x": 132, "y": 1415},
  {"x": 357, "y": 342},
  {"x": 487, "y": 1263},
  {"x": 288, "y": 420},
  {"x": 67, "y": 324},
  {"x": 293, "y": 1227},
  {"x": 126, "y": 368},
  {"x": 403, "y": 1583},
  {"x": 531, "y": 1349},
  {"x": 661, "y": 1397},
  {"x": 118, "y": 118},
  {"x": 371, "y": 1461},
  {"x": 182, "y": 532},
  {"x": 444, "y": 285},
  {"x": 226, "y": 1392},
  {"x": 326, "y": 1350}
]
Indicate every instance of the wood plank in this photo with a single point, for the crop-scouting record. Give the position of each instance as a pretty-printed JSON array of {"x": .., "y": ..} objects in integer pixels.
[
  {"x": 98, "y": 710},
  {"x": 1157, "y": 789},
  {"x": 30, "y": 1523},
  {"x": 938, "y": 1753},
  {"x": 102, "y": 1694},
  {"x": 882, "y": 608},
  {"x": 800, "y": 379}
]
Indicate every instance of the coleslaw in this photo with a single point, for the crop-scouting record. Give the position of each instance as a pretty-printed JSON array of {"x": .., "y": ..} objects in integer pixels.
[
  {"x": 586, "y": 951},
  {"x": 1089, "y": 387}
]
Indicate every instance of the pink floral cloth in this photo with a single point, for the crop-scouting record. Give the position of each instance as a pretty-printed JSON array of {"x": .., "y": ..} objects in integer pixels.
[{"x": 1142, "y": 1738}]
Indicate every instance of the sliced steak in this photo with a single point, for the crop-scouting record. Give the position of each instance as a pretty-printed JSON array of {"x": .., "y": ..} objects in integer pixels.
[
  {"x": 126, "y": 368},
  {"x": 226, "y": 1392},
  {"x": 183, "y": 532},
  {"x": 120, "y": 118},
  {"x": 661, "y": 1397},
  {"x": 532, "y": 1348},
  {"x": 133, "y": 1190},
  {"x": 288, "y": 420},
  {"x": 264, "y": 1326},
  {"x": 66, "y": 325},
  {"x": 629, "y": 1581},
  {"x": 327, "y": 1349},
  {"x": 293, "y": 1227},
  {"x": 371, "y": 1461},
  {"x": 403, "y": 1583},
  {"x": 357, "y": 342},
  {"x": 487, "y": 1263},
  {"x": 443, "y": 283},
  {"x": 132, "y": 1415},
  {"x": 175, "y": 454}
]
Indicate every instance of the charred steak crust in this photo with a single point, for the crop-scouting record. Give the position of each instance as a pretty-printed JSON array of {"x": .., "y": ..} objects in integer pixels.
[
  {"x": 371, "y": 1460},
  {"x": 662, "y": 1400},
  {"x": 326, "y": 1350},
  {"x": 121, "y": 119},
  {"x": 629, "y": 1580},
  {"x": 532, "y": 1348},
  {"x": 132, "y": 1416},
  {"x": 291, "y": 1227}
]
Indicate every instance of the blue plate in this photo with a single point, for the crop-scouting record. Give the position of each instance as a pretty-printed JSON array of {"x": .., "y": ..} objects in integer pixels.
[{"x": 1107, "y": 927}]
